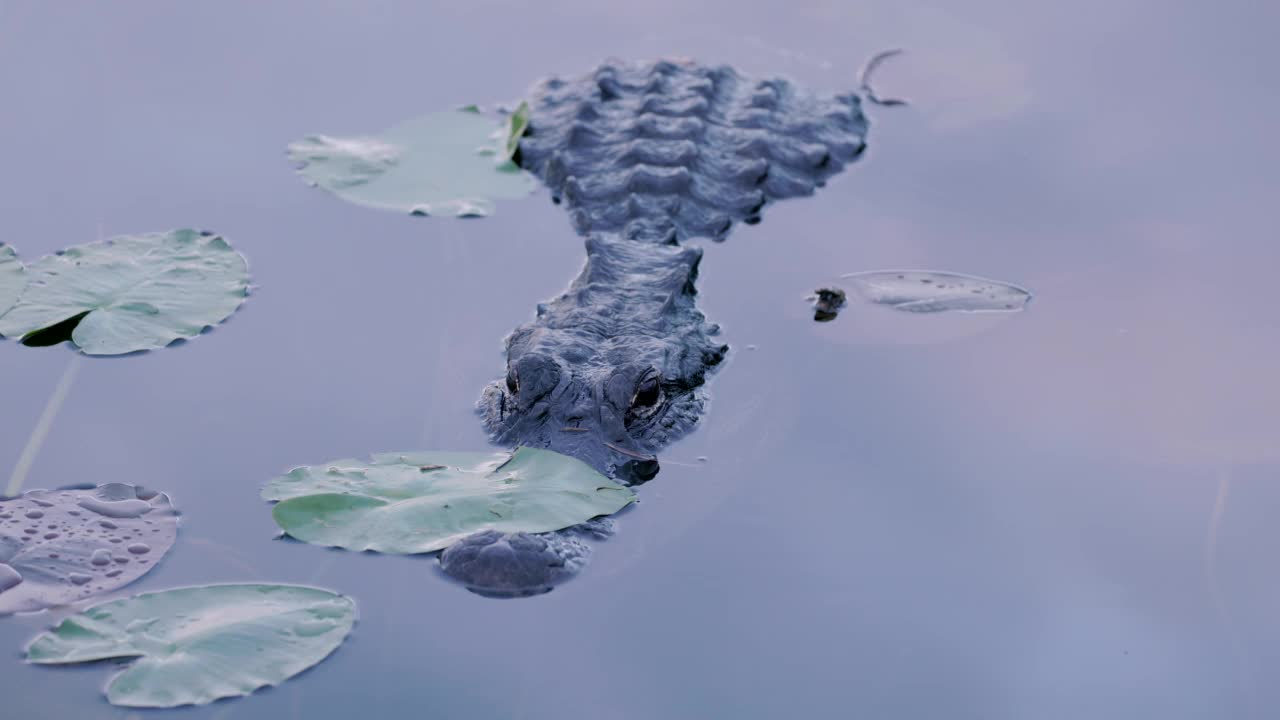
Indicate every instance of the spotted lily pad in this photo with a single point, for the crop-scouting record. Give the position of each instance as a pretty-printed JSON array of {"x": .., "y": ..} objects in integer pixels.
[
  {"x": 13, "y": 278},
  {"x": 197, "y": 644},
  {"x": 928, "y": 291},
  {"x": 420, "y": 502},
  {"x": 60, "y": 546},
  {"x": 137, "y": 292},
  {"x": 444, "y": 163}
]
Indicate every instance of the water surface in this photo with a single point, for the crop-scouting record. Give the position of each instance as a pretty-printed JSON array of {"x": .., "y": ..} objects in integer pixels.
[{"x": 1007, "y": 520}]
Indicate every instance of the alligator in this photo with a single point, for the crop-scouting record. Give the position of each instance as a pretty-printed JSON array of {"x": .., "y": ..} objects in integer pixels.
[{"x": 644, "y": 158}]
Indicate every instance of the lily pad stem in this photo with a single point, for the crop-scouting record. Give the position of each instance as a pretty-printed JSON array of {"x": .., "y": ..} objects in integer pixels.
[{"x": 41, "y": 430}]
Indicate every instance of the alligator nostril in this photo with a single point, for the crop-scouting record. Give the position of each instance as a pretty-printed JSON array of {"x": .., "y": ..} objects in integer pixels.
[{"x": 635, "y": 472}]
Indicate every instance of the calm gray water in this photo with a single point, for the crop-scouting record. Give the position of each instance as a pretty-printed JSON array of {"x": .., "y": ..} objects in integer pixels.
[{"x": 900, "y": 517}]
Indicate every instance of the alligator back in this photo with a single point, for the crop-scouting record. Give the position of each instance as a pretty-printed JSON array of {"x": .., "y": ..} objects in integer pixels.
[
  {"x": 613, "y": 369},
  {"x": 675, "y": 150}
]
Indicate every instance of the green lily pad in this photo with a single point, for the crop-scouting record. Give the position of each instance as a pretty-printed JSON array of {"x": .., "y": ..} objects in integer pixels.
[
  {"x": 517, "y": 124},
  {"x": 420, "y": 502},
  {"x": 197, "y": 644},
  {"x": 445, "y": 163},
  {"x": 13, "y": 278},
  {"x": 137, "y": 292}
]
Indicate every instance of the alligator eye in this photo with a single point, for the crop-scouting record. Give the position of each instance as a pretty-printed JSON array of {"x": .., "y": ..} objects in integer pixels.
[
  {"x": 513, "y": 383},
  {"x": 647, "y": 392}
]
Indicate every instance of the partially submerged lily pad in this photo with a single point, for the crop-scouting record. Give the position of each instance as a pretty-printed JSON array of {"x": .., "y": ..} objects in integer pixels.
[
  {"x": 420, "y": 502},
  {"x": 444, "y": 163},
  {"x": 197, "y": 644},
  {"x": 13, "y": 278},
  {"x": 137, "y": 292},
  {"x": 60, "y": 546},
  {"x": 928, "y": 291}
]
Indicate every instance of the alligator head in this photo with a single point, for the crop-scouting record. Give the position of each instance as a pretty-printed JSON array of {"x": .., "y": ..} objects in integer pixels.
[
  {"x": 613, "y": 369},
  {"x": 644, "y": 158}
]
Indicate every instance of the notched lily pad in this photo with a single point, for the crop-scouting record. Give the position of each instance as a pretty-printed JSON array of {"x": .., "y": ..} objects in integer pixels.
[
  {"x": 444, "y": 163},
  {"x": 131, "y": 293},
  {"x": 420, "y": 502},
  {"x": 195, "y": 645},
  {"x": 928, "y": 291},
  {"x": 60, "y": 546},
  {"x": 13, "y": 278}
]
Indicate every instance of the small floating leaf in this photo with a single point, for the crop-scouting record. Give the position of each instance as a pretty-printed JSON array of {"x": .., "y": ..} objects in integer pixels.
[
  {"x": 197, "y": 644},
  {"x": 60, "y": 546},
  {"x": 137, "y": 292},
  {"x": 926, "y": 291},
  {"x": 517, "y": 124},
  {"x": 428, "y": 166},
  {"x": 420, "y": 502},
  {"x": 13, "y": 278}
]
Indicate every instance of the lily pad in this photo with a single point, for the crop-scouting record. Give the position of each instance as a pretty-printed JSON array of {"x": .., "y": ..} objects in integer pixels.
[
  {"x": 13, "y": 278},
  {"x": 197, "y": 644},
  {"x": 137, "y": 292},
  {"x": 420, "y": 502},
  {"x": 928, "y": 291},
  {"x": 441, "y": 164},
  {"x": 60, "y": 546}
]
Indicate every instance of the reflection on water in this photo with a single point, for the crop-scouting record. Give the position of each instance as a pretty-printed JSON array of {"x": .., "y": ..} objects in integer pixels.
[{"x": 1027, "y": 519}]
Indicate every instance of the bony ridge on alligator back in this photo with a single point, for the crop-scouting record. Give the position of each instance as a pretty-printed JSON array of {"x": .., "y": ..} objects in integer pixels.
[{"x": 645, "y": 158}]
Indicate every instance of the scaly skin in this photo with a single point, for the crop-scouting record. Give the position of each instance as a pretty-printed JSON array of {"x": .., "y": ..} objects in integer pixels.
[{"x": 645, "y": 158}]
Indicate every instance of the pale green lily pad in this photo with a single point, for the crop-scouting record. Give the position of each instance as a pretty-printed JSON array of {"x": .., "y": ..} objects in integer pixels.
[
  {"x": 420, "y": 502},
  {"x": 197, "y": 644},
  {"x": 444, "y": 163},
  {"x": 137, "y": 292},
  {"x": 932, "y": 291},
  {"x": 13, "y": 278}
]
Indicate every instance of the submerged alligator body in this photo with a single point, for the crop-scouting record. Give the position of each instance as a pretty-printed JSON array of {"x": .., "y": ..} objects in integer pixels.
[{"x": 645, "y": 158}]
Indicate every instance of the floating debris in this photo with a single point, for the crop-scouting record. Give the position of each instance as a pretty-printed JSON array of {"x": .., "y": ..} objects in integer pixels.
[{"x": 827, "y": 303}]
